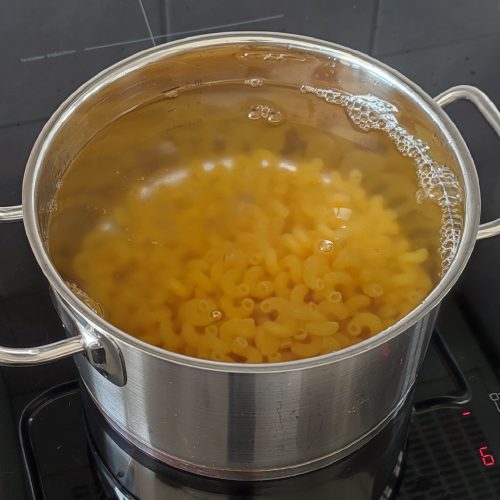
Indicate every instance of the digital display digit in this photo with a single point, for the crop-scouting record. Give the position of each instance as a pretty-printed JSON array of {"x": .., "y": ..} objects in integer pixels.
[{"x": 487, "y": 458}]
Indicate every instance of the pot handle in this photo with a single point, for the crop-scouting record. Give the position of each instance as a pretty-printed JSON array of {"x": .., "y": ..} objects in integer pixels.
[
  {"x": 11, "y": 214},
  {"x": 492, "y": 115},
  {"x": 42, "y": 354}
]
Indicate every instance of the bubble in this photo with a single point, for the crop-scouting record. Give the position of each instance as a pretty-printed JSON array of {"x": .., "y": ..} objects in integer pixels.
[
  {"x": 216, "y": 314},
  {"x": 420, "y": 196},
  {"x": 287, "y": 165},
  {"x": 265, "y": 112},
  {"x": 265, "y": 56},
  {"x": 108, "y": 226},
  {"x": 208, "y": 166},
  {"x": 255, "y": 113},
  {"x": 342, "y": 213},
  {"x": 280, "y": 56},
  {"x": 52, "y": 206},
  {"x": 227, "y": 163},
  {"x": 275, "y": 117},
  {"x": 325, "y": 246},
  {"x": 171, "y": 94},
  {"x": 254, "y": 82}
]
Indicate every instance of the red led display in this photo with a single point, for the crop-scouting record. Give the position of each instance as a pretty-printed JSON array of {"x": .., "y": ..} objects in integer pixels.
[
  {"x": 487, "y": 458},
  {"x": 466, "y": 413}
]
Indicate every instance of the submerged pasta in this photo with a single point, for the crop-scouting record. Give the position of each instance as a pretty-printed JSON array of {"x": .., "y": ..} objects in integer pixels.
[{"x": 252, "y": 259}]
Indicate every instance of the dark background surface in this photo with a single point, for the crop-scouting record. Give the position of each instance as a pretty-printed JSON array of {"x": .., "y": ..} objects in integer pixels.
[{"x": 49, "y": 48}]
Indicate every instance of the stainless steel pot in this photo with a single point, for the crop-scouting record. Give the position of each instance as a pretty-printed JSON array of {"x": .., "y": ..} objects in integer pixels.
[{"x": 227, "y": 420}]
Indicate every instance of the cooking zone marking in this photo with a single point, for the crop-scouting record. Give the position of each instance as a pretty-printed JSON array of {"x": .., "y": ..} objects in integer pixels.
[
  {"x": 188, "y": 32},
  {"x": 495, "y": 397},
  {"x": 146, "y": 20},
  {"x": 152, "y": 38}
]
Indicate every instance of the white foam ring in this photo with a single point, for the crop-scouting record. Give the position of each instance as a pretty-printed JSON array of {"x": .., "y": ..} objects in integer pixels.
[{"x": 437, "y": 182}]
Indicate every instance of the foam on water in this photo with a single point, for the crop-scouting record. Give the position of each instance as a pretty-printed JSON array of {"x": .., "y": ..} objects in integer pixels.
[
  {"x": 86, "y": 299},
  {"x": 437, "y": 182}
]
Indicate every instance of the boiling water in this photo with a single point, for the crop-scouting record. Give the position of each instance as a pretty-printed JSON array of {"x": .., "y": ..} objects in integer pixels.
[{"x": 252, "y": 222}]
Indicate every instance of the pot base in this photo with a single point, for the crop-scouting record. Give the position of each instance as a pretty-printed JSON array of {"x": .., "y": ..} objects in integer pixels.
[
  {"x": 96, "y": 412},
  {"x": 371, "y": 472}
]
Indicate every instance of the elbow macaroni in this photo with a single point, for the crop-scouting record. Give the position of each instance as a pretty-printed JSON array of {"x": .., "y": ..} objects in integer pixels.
[{"x": 253, "y": 262}]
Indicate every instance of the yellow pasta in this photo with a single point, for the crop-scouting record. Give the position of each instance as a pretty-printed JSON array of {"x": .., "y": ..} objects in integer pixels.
[
  {"x": 364, "y": 320},
  {"x": 357, "y": 302},
  {"x": 292, "y": 245},
  {"x": 336, "y": 311},
  {"x": 415, "y": 257},
  {"x": 263, "y": 289},
  {"x": 323, "y": 328},
  {"x": 197, "y": 312},
  {"x": 282, "y": 284},
  {"x": 278, "y": 330},
  {"x": 267, "y": 344},
  {"x": 271, "y": 261},
  {"x": 298, "y": 294},
  {"x": 239, "y": 345},
  {"x": 229, "y": 285},
  {"x": 237, "y": 327},
  {"x": 201, "y": 282},
  {"x": 307, "y": 349},
  {"x": 252, "y": 277},
  {"x": 232, "y": 309},
  {"x": 252, "y": 259},
  {"x": 252, "y": 355},
  {"x": 293, "y": 264},
  {"x": 315, "y": 268}
]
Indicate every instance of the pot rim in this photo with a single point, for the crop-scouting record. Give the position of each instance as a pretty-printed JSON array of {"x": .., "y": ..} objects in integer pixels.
[{"x": 388, "y": 74}]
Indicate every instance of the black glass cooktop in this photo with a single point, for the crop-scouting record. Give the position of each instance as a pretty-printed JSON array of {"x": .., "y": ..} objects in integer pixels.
[{"x": 49, "y": 48}]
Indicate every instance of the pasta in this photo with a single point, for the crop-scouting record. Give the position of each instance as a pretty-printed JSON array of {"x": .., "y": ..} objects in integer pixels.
[{"x": 252, "y": 260}]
